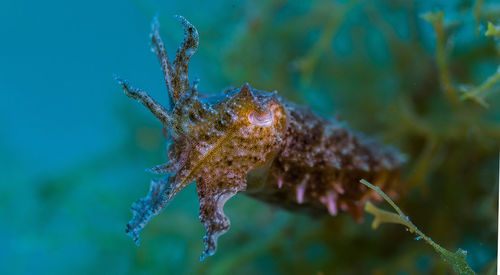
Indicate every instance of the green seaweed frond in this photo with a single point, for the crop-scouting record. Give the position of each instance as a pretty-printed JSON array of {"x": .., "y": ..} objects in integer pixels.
[
  {"x": 308, "y": 63},
  {"x": 437, "y": 21},
  {"x": 493, "y": 30},
  {"x": 477, "y": 93},
  {"x": 477, "y": 10},
  {"x": 456, "y": 260}
]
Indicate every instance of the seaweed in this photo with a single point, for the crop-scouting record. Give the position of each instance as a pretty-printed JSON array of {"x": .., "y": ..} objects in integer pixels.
[
  {"x": 436, "y": 19},
  {"x": 476, "y": 93},
  {"x": 493, "y": 30},
  {"x": 456, "y": 259}
]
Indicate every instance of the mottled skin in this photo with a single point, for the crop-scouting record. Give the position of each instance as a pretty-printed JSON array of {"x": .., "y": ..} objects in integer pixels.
[
  {"x": 319, "y": 165},
  {"x": 256, "y": 141}
]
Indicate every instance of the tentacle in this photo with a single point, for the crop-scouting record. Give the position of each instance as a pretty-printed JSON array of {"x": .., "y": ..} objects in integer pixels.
[
  {"x": 163, "y": 169},
  {"x": 176, "y": 76},
  {"x": 184, "y": 106},
  {"x": 187, "y": 48},
  {"x": 158, "y": 48},
  {"x": 160, "y": 193},
  {"x": 146, "y": 100}
]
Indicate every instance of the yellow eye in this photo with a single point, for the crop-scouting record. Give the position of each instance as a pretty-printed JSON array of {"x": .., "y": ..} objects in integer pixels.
[{"x": 261, "y": 120}]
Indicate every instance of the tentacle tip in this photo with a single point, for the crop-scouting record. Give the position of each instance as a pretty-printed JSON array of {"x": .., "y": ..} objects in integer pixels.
[
  {"x": 127, "y": 89},
  {"x": 125, "y": 86},
  {"x": 155, "y": 23},
  {"x": 188, "y": 27},
  {"x": 136, "y": 242},
  {"x": 205, "y": 255},
  {"x": 181, "y": 19},
  {"x": 133, "y": 234},
  {"x": 152, "y": 171},
  {"x": 118, "y": 79}
]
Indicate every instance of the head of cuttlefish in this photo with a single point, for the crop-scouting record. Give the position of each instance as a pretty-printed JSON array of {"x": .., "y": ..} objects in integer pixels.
[{"x": 215, "y": 142}]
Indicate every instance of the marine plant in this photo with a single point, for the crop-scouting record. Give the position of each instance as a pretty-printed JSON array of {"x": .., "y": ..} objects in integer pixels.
[{"x": 456, "y": 260}]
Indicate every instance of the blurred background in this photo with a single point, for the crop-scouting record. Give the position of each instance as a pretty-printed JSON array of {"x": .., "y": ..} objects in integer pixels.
[{"x": 73, "y": 147}]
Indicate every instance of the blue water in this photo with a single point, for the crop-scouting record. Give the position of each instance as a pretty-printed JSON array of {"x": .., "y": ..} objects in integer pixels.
[{"x": 59, "y": 113}]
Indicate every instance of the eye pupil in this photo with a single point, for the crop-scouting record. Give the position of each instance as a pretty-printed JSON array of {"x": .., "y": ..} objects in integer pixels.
[{"x": 261, "y": 120}]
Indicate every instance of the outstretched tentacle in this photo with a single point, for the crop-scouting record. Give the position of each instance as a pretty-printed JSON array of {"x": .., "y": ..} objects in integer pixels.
[
  {"x": 158, "y": 48},
  {"x": 187, "y": 48},
  {"x": 160, "y": 193},
  {"x": 176, "y": 76},
  {"x": 146, "y": 100}
]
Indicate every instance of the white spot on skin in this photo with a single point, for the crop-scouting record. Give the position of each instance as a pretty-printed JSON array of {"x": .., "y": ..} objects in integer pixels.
[
  {"x": 338, "y": 187},
  {"x": 300, "y": 193},
  {"x": 331, "y": 203},
  {"x": 204, "y": 147},
  {"x": 280, "y": 182},
  {"x": 301, "y": 189}
]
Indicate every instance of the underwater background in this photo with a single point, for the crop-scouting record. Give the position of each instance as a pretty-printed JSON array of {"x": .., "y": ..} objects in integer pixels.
[{"x": 74, "y": 148}]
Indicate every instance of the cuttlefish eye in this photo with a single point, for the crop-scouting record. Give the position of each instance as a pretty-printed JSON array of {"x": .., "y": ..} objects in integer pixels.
[{"x": 261, "y": 119}]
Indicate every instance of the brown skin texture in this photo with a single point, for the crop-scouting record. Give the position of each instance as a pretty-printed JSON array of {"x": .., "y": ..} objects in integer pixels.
[
  {"x": 254, "y": 141},
  {"x": 326, "y": 160}
]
